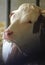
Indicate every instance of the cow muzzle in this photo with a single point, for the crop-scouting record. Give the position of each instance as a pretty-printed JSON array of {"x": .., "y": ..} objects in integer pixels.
[{"x": 8, "y": 34}]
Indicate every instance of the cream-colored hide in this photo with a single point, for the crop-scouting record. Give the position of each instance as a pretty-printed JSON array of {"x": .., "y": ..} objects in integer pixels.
[
  {"x": 22, "y": 22},
  {"x": 20, "y": 25}
]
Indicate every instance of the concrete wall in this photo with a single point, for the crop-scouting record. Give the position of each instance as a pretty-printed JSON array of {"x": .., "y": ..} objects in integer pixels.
[{"x": 14, "y": 5}]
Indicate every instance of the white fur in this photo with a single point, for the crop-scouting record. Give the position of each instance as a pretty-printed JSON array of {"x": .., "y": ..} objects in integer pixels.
[{"x": 6, "y": 49}]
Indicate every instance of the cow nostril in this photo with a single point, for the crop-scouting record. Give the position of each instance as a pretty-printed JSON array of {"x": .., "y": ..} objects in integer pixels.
[{"x": 10, "y": 33}]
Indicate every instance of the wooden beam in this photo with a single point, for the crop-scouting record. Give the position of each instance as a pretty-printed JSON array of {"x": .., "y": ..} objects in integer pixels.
[{"x": 38, "y": 2}]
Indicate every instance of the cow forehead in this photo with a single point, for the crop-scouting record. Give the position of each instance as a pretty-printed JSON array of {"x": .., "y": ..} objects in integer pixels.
[
  {"x": 26, "y": 12},
  {"x": 27, "y": 6}
]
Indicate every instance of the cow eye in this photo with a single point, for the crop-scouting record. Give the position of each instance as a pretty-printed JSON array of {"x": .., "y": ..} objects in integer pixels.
[
  {"x": 11, "y": 14},
  {"x": 29, "y": 21}
]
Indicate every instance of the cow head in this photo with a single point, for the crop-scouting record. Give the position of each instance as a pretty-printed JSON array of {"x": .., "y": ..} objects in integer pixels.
[
  {"x": 22, "y": 29},
  {"x": 22, "y": 20}
]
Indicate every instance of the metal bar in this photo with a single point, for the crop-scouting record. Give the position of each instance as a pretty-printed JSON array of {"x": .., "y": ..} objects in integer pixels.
[
  {"x": 38, "y": 2},
  {"x": 8, "y": 3}
]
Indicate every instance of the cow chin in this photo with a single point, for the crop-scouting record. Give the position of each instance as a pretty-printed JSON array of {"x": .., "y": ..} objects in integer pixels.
[{"x": 9, "y": 51}]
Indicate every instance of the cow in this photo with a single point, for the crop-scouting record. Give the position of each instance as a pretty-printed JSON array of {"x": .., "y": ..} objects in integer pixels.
[{"x": 23, "y": 40}]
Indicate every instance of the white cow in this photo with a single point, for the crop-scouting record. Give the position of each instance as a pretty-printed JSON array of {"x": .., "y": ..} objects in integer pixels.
[{"x": 19, "y": 38}]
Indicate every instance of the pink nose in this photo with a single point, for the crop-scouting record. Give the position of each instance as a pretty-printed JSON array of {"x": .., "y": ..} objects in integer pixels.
[{"x": 7, "y": 34}]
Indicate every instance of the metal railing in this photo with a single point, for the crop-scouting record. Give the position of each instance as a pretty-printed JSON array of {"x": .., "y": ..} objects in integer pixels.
[
  {"x": 8, "y": 2},
  {"x": 38, "y": 2}
]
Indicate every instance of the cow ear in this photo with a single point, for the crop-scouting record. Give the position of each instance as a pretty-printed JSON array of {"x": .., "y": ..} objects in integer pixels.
[
  {"x": 36, "y": 26},
  {"x": 39, "y": 24}
]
